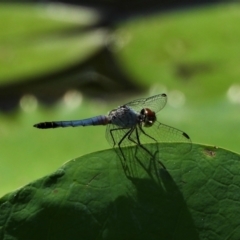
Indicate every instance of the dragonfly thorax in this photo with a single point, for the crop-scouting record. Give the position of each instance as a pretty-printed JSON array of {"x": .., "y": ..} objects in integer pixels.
[
  {"x": 124, "y": 117},
  {"x": 147, "y": 117}
]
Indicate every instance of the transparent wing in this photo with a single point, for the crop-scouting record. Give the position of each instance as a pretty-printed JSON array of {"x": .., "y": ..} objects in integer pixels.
[
  {"x": 160, "y": 132},
  {"x": 155, "y": 103}
]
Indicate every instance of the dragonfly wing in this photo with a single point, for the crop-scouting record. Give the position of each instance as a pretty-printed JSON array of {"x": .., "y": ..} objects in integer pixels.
[
  {"x": 155, "y": 103},
  {"x": 160, "y": 132}
]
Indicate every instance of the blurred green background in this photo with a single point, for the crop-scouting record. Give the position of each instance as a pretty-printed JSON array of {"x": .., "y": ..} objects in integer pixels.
[{"x": 58, "y": 62}]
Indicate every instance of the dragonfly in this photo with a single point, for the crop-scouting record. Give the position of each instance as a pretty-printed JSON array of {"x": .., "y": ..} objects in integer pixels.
[{"x": 131, "y": 125}]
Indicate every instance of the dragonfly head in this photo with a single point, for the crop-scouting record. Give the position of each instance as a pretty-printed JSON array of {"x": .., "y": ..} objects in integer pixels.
[{"x": 148, "y": 117}]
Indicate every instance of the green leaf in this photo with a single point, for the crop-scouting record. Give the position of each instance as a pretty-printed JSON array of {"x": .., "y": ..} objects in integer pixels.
[
  {"x": 195, "y": 51},
  {"x": 38, "y": 39},
  {"x": 196, "y": 197}
]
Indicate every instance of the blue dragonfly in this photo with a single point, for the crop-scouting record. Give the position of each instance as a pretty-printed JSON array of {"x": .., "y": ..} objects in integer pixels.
[{"x": 132, "y": 124}]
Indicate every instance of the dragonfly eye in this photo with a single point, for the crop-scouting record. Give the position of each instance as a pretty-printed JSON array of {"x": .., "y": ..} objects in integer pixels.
[{"x": 150, "y": 117}]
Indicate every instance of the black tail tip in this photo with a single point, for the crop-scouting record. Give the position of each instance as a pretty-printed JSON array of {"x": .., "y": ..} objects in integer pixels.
[{"x": 46, "y": 125}]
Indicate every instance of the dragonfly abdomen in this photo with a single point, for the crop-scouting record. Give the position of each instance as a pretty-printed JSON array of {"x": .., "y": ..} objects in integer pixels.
[{"x": 99, "y": 120}]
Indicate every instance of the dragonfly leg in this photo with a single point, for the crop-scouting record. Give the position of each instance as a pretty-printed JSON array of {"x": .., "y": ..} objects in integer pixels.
[
  {"x": 124, "y": 164},
  {"x": 138, "y": 143},
  {"x": 152, "y": 168},
  {"x": 141, "y": 129},
  {"x": 141, "y": 146},
  {"x": 120, "y": 142},
  {"x": 116, "y": 129}
]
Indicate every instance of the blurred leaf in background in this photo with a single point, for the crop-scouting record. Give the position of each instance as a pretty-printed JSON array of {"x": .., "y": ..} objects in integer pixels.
[
  {"x": 49, "y": 49},
  {"x": 38, "y": 39},
  {"x": 195, "y": 51}
]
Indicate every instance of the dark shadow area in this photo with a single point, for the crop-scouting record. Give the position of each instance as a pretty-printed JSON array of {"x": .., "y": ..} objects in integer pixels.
[{"x": 158, "y": 212}]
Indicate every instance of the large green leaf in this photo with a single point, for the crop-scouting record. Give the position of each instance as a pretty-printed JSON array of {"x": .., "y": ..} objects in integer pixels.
[{"x": 91, "y": 198}]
